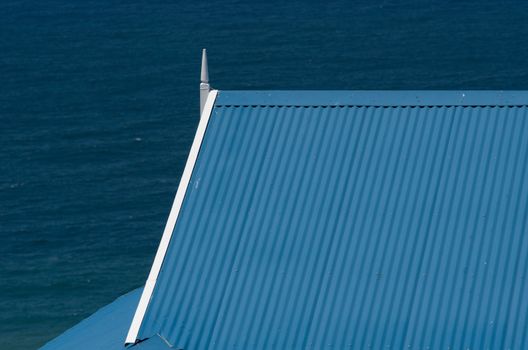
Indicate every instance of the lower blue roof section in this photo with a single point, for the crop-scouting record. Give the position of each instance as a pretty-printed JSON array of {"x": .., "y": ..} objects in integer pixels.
[
  {"x": 312, "y": 226},
  {"x": 106, "y": 329}
]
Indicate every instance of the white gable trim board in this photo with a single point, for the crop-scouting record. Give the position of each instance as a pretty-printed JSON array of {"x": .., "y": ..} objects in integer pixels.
[{"x": 171, "y": 222}]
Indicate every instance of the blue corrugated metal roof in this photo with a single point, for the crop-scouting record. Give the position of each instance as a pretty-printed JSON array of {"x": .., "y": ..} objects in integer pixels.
[
  {"x": 355, "y": 226},
  {"x": 372, "y": 98},
  {"x": 105, "y": 329}
]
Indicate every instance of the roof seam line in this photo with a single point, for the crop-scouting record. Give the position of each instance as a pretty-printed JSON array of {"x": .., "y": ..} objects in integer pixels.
[{"x": 372, "y": 105}]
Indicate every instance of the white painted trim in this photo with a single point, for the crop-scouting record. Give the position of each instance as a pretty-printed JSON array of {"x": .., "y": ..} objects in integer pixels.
[{"x": 171, "y": 222}]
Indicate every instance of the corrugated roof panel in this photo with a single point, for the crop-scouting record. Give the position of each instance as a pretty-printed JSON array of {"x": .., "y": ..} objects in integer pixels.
[
  {"x": 105, "y": 329},
  {"x": 351, "y": 227},
  {"x": 373, "y": 98}
]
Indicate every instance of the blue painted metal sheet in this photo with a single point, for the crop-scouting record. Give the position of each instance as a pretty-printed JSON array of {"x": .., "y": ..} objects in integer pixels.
[
  {"x": 351, "y": 227},
  {"x": 153, "y": 343},
  {"x": 373, "y": 98},
  {"x": 105, "y": 329}
]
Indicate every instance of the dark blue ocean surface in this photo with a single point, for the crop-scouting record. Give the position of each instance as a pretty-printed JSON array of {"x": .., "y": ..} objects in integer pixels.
[{"x": 99, "y": 103}]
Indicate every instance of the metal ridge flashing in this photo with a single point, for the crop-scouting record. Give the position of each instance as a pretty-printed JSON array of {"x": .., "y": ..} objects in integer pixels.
[
  {"x": 171, "y": 222},
  {"x": 367, "y": 98}
]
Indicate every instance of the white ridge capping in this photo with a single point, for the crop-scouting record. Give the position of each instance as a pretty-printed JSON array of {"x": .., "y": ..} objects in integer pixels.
[{"x": 171, "y": 222}]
